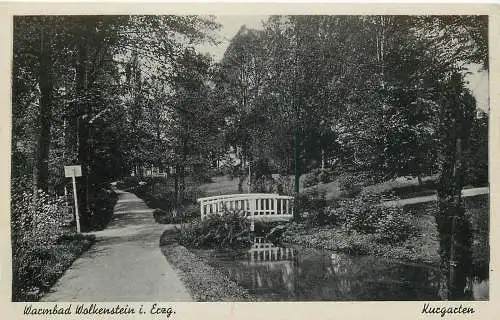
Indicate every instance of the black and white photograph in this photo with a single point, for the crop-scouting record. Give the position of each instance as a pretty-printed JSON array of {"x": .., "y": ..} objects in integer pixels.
[{"x": 249, "y": 158}]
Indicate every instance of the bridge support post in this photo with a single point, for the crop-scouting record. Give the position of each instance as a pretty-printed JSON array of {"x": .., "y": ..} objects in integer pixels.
[{"x": 251, "y": 234}]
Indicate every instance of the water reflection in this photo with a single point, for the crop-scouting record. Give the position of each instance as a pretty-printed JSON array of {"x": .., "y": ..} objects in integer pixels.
[
  {"x": 291, "y": 274},
  {"x": 265, "y": 251}
]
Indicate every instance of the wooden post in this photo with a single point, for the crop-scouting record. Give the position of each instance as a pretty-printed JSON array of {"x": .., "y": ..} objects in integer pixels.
[
  {"x": 77, "y": 215},
  {"x": 249, "y": 178},
  {"x": 73, "y": 172},
  {"x": 202, "y": 205},
  {"x": 322, "y": 159}
]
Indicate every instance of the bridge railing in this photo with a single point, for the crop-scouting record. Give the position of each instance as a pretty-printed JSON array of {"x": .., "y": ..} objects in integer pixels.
[
  {"x": 270, "y": 253},
  {"x": 255, "y": 206}
]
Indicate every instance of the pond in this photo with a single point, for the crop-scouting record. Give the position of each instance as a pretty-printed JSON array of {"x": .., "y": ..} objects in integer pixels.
[{"x": 305, "y": 274}]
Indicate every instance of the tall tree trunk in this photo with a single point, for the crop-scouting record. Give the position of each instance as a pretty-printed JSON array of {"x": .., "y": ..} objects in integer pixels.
[
  {"x": 453, "y": 226},
  {"x": 296, "y": 213},
  {"x": 176, "y": 187},
  {"x": 83, "y": 127},
  {"x": 297, "y": 105},
  {"x": 241, "y": 179},
  {"x": 41, "y": 167},
  {"x": 183, "y": 183},
  {"x": 322, "y": 159}
]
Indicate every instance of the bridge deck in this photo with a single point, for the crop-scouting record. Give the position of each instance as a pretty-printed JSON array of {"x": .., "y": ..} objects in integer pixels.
[{"x": 255, "y": 206}]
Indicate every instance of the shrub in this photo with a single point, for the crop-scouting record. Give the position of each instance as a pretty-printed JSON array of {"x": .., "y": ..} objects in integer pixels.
[
  {"x": 186, "y": 213},
  {"x": 42, "y": 242},
  {"x": 190, "y": 212},
  {"x": 350, "y": 186},
  {"x": 311, "y": 178},
  {"x": 318, "y": 175},
  {"x": 217, "y": 231},
  {"x": 102, "y": 209},
  {"x": 161, "y": 216},
  {"x": 366, "y": 215},
  {"x": 394, "y": 226},
  {"x": 359, "y": 214},
  {"x": 283, "y": 185},
  {"x": 312, "y": 205},
  {"x": 37, "y": 268},
  {"x": 263, "y": 184},
  {"x": 39, "y": 219}
]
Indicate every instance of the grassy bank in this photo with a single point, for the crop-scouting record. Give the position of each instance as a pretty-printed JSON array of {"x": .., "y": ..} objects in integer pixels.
[
  {"x": 42, "y": 266},
  {"x": 204, "y": 282},
  {"x": 44, "y": 242},
  {"x": 421, "y": 246}
]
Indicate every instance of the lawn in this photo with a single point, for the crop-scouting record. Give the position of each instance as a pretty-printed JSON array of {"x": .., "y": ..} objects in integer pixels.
[
  {"x": 403, "y": 187},
  {"x": 226, "y": 185},
  {"x": 221, "y": 185}
]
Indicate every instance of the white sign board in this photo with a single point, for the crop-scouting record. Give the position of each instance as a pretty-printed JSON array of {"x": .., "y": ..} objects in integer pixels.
[{"x": 72, "y": 171}]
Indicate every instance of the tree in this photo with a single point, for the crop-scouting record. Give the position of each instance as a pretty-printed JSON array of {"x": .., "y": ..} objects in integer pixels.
[
  {"x": 69, "y": 94},
  {"x": 33, "y": 50},
  {"x": 242, "y": 78},
  {"x": 477, "y": 155},
  {"x": 192, "y": 128},
  {"x": 456, "y": 41},
  {"x": 457, "y": 111}
]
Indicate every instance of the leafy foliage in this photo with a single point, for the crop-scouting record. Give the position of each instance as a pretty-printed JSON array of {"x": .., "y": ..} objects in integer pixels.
[
  {"x": 185, "y": 214},
  {"x": 319, "y": 175},
  {"x": 363, "y": 214},
  {"x": 476, "y": 172},
  {"x": 39, "y": 220},
  {"x": 84, "y": 92},
  {"x": 366, "y": 215},
  {"x": 227, "y": 230},
  {"x": 42, "y": 242},
  {"x": 312, "y": 204},
  {"x": 354, "y": 93}
]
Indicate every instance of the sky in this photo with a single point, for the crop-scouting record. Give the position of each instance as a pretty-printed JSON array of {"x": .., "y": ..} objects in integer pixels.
[
  {"x": 479, "y": 85},
  {"x": 230, "y": 26},
  {"x": 477, "y": 80}
]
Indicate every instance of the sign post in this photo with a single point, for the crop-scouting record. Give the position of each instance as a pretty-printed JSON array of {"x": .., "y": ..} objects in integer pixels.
[{"x": 73, "y": 172}]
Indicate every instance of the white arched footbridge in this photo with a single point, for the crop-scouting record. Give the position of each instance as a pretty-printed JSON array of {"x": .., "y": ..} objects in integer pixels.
[{"x": 255, "y": 206}]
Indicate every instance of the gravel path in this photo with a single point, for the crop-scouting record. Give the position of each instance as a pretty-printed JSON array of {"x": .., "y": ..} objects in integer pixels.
[
  {"x": 125, "y": 263},
  {"x": 465, "y": 193}
]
